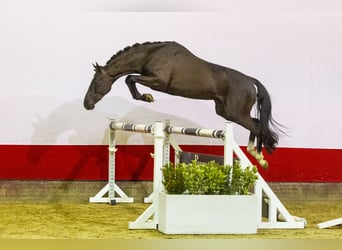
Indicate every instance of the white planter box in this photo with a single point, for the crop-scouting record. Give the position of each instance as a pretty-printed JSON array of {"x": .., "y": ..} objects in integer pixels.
[{"x": 207, "y": 214}]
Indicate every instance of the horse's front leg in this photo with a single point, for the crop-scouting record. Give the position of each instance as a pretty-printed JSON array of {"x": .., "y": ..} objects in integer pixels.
[{"x": 131, "y": 84}]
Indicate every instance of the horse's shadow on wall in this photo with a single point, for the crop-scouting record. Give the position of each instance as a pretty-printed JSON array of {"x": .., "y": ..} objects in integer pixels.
[{"x": 71, "y": 124}]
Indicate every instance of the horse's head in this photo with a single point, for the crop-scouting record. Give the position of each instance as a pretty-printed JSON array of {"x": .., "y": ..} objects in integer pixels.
[{"x": 99, "y": 87}]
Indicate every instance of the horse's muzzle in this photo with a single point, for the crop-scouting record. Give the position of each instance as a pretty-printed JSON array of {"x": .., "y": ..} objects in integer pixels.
[{"x": 88, "y": 106}]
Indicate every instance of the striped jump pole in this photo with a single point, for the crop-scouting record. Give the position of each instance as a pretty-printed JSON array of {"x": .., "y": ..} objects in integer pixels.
[
  {"x": 140, "y": 128},
  {"x": 201, "y": 132},
  {"x": 226, "y": 135}
]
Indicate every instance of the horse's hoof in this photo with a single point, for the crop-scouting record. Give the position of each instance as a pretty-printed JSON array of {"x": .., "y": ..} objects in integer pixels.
[
  {"x": 147, "y": 98},
  {"x": 264, "y": 164}
]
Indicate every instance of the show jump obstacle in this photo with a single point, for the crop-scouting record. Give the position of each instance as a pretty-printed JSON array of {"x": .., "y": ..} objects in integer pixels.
[{"x": 277, "y": 215}]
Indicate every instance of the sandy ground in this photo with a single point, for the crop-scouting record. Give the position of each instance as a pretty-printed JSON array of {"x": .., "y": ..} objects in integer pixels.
[{"x": 102, "y": 221}]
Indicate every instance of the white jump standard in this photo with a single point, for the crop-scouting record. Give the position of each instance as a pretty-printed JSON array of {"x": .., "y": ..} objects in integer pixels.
[{"x": 111, "y": 188}]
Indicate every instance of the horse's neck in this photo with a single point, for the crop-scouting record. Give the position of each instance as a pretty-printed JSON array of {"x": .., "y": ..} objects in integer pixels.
[
  {"x": 123, "y": 65},
  {"x": 130, "y": 60}
]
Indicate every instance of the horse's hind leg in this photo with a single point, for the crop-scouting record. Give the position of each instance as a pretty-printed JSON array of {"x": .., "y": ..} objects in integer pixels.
[
  {"x": 252, "y": 137},
  {"x": 256, "y": 153},
  {"x": 243, "y": 118},
  {"x": 131, "y": 81},
  {"x": 250, "y": 145}
]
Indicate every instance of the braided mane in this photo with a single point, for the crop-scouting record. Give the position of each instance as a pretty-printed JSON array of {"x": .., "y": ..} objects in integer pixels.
[{"x": 129, "y": 48}]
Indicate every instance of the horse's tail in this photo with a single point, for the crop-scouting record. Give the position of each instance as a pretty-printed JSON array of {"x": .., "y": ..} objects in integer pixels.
[{"x": 268, "y": 136}]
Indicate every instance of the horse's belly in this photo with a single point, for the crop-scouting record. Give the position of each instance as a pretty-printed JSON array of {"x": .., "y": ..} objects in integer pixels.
[{"x": 194, "y": 92}]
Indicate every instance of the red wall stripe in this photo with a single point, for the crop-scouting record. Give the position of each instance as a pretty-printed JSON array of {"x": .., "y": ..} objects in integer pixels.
[{"x": 133, "y": 162}]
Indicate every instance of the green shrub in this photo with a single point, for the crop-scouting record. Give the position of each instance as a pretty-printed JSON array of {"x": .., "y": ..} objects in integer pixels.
[
  {"x": 208, "y": 178},
  {"x": 173, "y": 180}
]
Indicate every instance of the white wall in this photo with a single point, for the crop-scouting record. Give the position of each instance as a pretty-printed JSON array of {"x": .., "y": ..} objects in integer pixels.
[{"x": 46, "y": 59}]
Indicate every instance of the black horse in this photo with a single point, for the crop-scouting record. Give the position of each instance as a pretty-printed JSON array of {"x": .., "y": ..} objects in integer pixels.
[{"x": 171, "y": 68}]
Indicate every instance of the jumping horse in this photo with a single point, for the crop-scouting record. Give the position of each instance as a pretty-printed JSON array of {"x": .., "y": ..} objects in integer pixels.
[{"x": 171, "y": 68}]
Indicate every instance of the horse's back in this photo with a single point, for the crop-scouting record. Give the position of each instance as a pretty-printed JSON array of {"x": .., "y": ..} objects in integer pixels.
[
  {"x": 172, "y": 58},
  {"x": 170, "y": 52}
]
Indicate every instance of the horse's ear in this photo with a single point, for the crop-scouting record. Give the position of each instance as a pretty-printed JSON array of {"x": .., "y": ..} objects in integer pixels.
[{"x": 96, "y": 67}]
